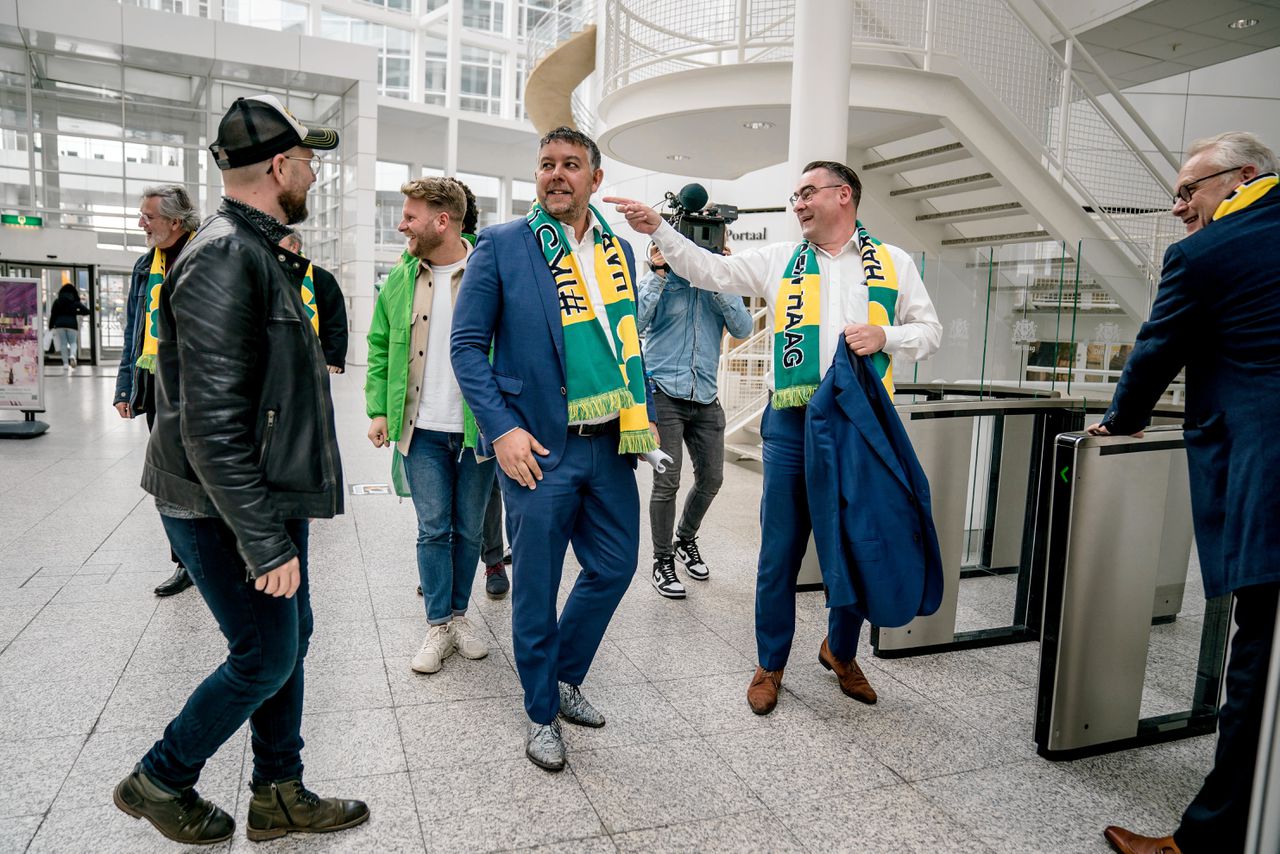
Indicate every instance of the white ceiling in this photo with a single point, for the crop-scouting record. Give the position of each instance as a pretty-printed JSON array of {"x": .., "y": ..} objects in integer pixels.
[{"x": 1168, "y": 37}]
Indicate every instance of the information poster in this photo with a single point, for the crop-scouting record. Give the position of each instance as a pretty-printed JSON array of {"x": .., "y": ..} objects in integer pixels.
[{"x": 21, "y": 337}]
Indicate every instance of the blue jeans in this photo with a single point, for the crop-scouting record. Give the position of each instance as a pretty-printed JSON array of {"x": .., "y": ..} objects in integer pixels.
[
  {"x": 785, "y": 526},
  {"x": 450, "y": 489},
  {"x": 67, "y": 342},
  {"x": 261, "y": 680}
]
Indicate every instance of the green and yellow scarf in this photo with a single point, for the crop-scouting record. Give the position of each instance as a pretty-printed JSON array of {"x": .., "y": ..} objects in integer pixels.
[
  {"x": 150, "y": 342},
  {"x": 309, "y": 297},
  {"x": 797, "y": 321},
  {"x": 601, "y": 376},
  {"x": 1246, "y": 194}
]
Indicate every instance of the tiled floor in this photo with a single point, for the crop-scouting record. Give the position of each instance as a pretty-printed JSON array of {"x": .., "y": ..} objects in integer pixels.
[{"x": 92, "y": 666}]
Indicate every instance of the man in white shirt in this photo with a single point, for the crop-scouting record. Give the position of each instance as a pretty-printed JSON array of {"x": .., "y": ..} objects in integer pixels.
[
  {"x": 413, "y": 401},
  {"x": 868, "y": 320}
]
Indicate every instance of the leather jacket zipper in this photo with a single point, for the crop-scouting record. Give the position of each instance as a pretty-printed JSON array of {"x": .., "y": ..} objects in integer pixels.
[{"x": 266, "y": 438}]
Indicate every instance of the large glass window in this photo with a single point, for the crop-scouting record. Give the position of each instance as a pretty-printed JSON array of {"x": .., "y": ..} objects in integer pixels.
[
  {"x": 436, "y": 66},
  {"x": 480, "y": 89},
  {"x": 279, "y": 15},
  {"x": 483, "y": 15},
  {"x": 389, "y": 178},
  {"x": 522, "y": 79},
  {"x": 485, "y": 188},
  {"x": 393, "y": 46},
  {"x": 523, "y": 195}
]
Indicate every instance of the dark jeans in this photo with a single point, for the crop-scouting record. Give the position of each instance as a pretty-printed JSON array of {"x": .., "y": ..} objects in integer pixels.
[
  {"x": 1218, "y": 817},
  {"x": 701, "y": 427},
  {"x": 261, "y": 680},
  {"x": 450, "y": 488},
  {"x": 491, "y": 541}
]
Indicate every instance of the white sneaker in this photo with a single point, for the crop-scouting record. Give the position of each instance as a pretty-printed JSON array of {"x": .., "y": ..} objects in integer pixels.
[
  {"x": 438, "y": 646},
  {"x": 470, "y": 644}
]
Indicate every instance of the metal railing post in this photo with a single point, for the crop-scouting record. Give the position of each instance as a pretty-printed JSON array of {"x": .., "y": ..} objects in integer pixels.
[
  {"x": 930, "y": 23},
  {"x": 744, "y": 8},
  {"x": 1064, "y": 111}
]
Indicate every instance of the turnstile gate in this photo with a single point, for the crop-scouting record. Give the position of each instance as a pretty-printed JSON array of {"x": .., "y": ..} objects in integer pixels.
[{"x": 1118, "y": 546}]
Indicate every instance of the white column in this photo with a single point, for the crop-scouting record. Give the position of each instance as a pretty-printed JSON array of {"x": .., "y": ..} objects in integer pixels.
[{"x": 819, "y": 86}]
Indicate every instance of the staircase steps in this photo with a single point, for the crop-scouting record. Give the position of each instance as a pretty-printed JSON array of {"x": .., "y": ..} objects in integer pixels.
[
  {"x": 973, "y": 214},
  {"x": 935, "y": 156},
  {"x": 982, "y": 181}
]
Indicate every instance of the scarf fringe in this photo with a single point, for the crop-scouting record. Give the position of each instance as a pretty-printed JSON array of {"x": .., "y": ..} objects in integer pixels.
[
  {"x": 147, "y": 361},
  {"x": 636, "y": 442},
  {"x": 600, "y": 405},
  {"x": 796, "y": 395}
]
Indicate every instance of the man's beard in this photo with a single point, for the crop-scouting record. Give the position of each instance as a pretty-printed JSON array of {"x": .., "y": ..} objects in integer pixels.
[
  {"x": 422, "y": 246},
  {"x": 294, "y": 206}
]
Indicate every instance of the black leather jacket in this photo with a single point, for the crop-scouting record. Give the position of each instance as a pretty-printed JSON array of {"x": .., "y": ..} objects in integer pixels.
[{"x": 253, "y": 440}]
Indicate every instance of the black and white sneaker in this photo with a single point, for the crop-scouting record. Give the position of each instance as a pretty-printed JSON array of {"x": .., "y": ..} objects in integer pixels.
[
  {"x": 664, "y": 578},
  {"x": 687, "y": 551}
]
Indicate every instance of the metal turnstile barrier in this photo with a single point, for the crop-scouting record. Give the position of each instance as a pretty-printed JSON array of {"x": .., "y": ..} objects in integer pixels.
[
  {"x": 1119, "y": 534},
  {"x": 942, "y": 436}
]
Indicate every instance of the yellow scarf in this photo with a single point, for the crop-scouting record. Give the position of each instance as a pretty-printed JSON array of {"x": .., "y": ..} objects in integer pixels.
[
  {"x": 151, "y": 343},
  {"x": 1246, "y": 194}
]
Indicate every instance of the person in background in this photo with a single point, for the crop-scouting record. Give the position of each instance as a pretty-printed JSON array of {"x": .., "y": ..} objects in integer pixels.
[
  {"x": 331, "y": 306},
  {"x": 683, "y": 327},
  {"x": 413, "y": 401},
  {"x": 64, "y": 323},
  {"x": 168, "y": 218}
]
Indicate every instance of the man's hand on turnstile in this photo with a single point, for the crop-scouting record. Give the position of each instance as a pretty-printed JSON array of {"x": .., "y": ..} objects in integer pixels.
[{"x": 1099, "y": 430}]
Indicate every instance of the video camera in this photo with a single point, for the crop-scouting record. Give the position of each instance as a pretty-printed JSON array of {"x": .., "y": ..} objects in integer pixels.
[{"x": 690, "y": 215}]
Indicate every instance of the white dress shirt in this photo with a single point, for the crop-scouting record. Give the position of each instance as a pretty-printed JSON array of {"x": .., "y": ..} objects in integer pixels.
[{"x": 914, "y": 335}]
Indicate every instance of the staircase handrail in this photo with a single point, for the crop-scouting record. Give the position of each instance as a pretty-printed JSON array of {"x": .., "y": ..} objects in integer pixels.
[
  {"x": 562, "y": 20},
  {"x": 913, "y": 31}
]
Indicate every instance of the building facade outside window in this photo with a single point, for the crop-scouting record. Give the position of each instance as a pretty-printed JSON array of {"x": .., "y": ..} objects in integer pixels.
[
  {"x": 480, "y": 86},
  {"x": 279, "y": 15},
  {"x": 394, "y": 47}
]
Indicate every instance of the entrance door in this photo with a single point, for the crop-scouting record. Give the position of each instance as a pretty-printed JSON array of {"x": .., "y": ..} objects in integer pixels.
[
  {"x": 54, "y": 277},
  {"x": 113, "y": 292}
]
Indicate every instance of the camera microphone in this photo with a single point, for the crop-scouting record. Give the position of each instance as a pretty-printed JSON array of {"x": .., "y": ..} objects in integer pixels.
[{"x": 692, "y": 197}]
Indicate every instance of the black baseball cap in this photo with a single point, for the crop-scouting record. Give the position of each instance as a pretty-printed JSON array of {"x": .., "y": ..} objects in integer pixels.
[{"x": 258, "y": 128}]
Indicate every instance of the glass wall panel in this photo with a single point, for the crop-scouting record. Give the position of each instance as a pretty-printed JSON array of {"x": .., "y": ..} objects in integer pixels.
[
  {"x": 436, "y": 69},
  {"x": 523, "y": 195},
  {"x": 393, "y": 44},
  {"x": 480, "y": 87},
  {"x": 485, "y": 188},
  {"x": 483, "y": 15},
  {"x": 390, "y": 178},
  {"x": 279, "y": 15}
]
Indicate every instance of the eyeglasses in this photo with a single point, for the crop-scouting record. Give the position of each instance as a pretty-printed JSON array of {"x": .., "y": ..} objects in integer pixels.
[
  {"x": 314, "y": 162},
  {"x": 807, "y": 193},
  {"x": 1186, "y": 191}
]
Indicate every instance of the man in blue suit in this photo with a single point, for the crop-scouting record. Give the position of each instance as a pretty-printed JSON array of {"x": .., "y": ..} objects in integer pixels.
[
  {"x": 563, "y": 407},
  {"x": 1216, "y": 315}
]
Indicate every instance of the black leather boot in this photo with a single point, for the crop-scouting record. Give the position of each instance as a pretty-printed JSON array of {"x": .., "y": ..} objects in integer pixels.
[
  {"x": 176, "y": 583},
  {"x": 183, "y": 816},
  {"x": 289, "y": 807}
]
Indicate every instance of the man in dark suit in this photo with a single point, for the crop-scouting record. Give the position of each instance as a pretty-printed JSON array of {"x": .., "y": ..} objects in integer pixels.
[
  {"x": 565, "y": 442},
  {"x": 1216, "y": 315}
]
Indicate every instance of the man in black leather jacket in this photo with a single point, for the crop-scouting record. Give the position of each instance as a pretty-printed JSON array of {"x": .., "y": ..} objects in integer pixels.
[{"x": 243, "y": 454}]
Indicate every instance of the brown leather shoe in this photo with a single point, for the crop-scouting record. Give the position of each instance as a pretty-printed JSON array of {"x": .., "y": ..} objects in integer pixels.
[
  {"x": 852, "y": 682},
  {"x": 1127, "y": 842},
  {"x": 762, "y": 693}
]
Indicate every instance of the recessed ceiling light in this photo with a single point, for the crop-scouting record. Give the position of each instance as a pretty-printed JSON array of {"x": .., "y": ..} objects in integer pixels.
[
  {"x": 1243, "y": 23},
  {"x": 757, "y": 125},
  {"x": 677, "y": 157}
]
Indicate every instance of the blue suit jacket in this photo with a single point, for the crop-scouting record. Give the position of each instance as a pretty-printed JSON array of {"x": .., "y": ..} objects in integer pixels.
[
  {"x": 869, "y": 499},
  {"x": 509, "y": 298},
  {"x": 1217, "y": 313}
]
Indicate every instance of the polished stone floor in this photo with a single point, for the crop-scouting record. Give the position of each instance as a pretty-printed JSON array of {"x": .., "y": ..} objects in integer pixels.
[{"x": 92, "y": 666}]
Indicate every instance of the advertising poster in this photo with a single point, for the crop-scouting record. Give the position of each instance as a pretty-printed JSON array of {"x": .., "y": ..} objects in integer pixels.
[{"x": 21, "y": 330}]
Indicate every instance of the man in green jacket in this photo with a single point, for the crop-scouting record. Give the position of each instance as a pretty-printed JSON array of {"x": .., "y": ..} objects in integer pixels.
[{"x": 414, "y": 403}]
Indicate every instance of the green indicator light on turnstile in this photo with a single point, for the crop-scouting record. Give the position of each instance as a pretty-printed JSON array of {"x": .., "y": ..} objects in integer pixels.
[{"x": 1063, "y": 473}]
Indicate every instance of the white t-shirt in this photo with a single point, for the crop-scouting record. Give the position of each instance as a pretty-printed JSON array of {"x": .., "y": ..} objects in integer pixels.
[{"x": 440, "y": 405}]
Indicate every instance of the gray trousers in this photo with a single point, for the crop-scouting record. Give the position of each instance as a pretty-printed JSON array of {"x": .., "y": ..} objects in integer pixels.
[{"x": 700, "y": 427}]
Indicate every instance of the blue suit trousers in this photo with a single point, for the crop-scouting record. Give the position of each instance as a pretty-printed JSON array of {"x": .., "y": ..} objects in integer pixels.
[
  {"x": 590, "y": 500},
  {"x": 784, "y": 536}
]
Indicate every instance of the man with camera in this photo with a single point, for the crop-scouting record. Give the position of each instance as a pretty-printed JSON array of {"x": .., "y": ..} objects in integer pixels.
[
  {"x": 837, "y": 283},
  {"x": 684, "y": 326}
]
